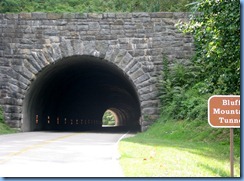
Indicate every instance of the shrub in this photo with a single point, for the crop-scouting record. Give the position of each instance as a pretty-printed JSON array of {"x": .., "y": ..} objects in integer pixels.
[
  {"x": 216, "y": 31},
  {"x": 181, "y": 96}
]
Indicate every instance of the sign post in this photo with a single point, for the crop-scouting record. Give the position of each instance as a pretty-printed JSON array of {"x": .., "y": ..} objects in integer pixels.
[
  {"x": 231, "y": 152},
  {"x": 224, "y": 112}
]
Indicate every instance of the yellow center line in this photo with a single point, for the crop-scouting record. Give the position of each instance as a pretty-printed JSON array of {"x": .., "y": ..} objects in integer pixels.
[{"x": 7, "y": 157}]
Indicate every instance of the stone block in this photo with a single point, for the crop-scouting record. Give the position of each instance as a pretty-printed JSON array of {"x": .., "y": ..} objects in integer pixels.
[
  {"x": 77, "y": 46},
  {"x": 146, "y": 123},
  {"x": 38, "y": 15},
  {"x": 111, "y": 53},
  {"x": 140, "y": 15},
  {"x": 94, "y": 16},
  {"x": 89, "y": 47},
  {"x": 81, "y": 15},
  {"x": 55, "y": 51},
  {"x": 109, "y": 15},
  {"x": 14, "y": 123},
  {"x": 25, "y": 16},
  {"x": 118, "y": 22},
  {"x": 137, "y": 73},
  {"x": 142, "y": 78},
  {"x": 11, "y": 16},
  {"x": 150, "y": 111},
  {"x": 30, "y": 67},
  {"x": 119, "y": 56},
  {"x": 123, "y": 15},
  {"x": 68, "y": 15},
  {"x": 162, "y": 15},
  {"x": 105, "y": 32},
  {"x": 54, "y": 16},
  {"x": 102, "y": 47},
  {"x": 40, "y": 59},
  {"x": 117, "y": 32},
  {"x": 150, "y": 104},
  {"x": 11, "y": 101},
  {"x": 83, "y": 27},
  {"x": 180, "y": 15},
  {"x": 11, "y": 109},
  {"x": 149, "y": 96},
  {"x": 125, "y": 60},
  {"x": 147, "y": 89},
  {"x": 93, "y": 26},
  {"x": 66, "y": 48}
]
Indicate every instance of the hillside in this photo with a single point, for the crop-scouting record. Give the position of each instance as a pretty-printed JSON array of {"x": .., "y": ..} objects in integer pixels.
[
  {"x": 179, "y": 149},
  {"x": 97, "y": 6}
]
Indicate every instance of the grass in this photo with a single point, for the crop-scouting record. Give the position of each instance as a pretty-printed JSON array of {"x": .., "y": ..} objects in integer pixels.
[
  {"x": 179, "y": 149},
  {"x": 4, "y": 129}
]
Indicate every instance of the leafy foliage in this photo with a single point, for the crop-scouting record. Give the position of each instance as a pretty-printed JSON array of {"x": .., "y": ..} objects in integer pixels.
[
  {"x": 1, "y": 116},
  {"x": 215, "y": 25},
  {"x": 4, "y": 128},
  {"x": 179, "y": 92},
  {"x": 93, "y": 5},
  {"x": 215, "y": 69},
  {"x": 108, "y": 118}
]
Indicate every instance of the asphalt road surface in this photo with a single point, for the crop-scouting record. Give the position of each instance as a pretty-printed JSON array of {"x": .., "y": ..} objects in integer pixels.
[{"x": 60, "y": 154}]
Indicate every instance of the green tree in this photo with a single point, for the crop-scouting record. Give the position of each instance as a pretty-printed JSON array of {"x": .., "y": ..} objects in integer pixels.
[
  {"x": 215, "y": 25},
  {"x": 108, "y": 118}
]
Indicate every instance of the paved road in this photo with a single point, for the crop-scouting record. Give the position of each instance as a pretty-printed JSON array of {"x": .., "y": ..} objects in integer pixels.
[{"x": 60, "y": 154}]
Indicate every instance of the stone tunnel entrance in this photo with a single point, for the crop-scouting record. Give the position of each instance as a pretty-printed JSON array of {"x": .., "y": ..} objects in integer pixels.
[{"x": 75, "y": 92}]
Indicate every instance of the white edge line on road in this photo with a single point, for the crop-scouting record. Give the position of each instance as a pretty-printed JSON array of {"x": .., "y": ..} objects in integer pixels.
[
  {"x": 121, "y": 137},
  {"x": 116, "y": 155}
]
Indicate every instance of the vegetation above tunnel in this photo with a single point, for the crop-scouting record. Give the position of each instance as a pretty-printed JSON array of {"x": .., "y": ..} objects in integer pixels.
[{"x": 15, "y": 6}]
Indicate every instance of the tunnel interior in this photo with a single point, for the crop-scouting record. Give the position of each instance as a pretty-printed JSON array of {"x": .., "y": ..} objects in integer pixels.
[{"x": 75, "y": 92}]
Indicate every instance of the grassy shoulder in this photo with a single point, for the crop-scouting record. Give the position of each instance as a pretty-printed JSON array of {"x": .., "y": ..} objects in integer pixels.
[
  {"x": 179, "y": 149},
  {"x": 4, "y": 129}
]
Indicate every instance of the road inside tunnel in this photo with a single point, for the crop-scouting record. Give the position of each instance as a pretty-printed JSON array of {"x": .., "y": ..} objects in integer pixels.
[{"x": 75, "y": 92}]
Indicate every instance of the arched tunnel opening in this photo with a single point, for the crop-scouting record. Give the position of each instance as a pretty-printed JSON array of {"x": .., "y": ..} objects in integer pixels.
[{"x": 75, "y": 92}]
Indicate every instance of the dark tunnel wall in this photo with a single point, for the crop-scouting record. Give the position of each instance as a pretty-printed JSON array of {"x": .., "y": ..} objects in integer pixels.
[{"x": 74, "y": 93}]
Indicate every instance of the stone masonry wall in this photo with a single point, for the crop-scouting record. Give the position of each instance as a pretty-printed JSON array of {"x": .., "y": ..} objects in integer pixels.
[{"x": 135, "y": 42}]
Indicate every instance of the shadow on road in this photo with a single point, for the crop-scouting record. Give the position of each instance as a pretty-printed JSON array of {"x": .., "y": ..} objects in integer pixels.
[{"x": 105, "y": 129}]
